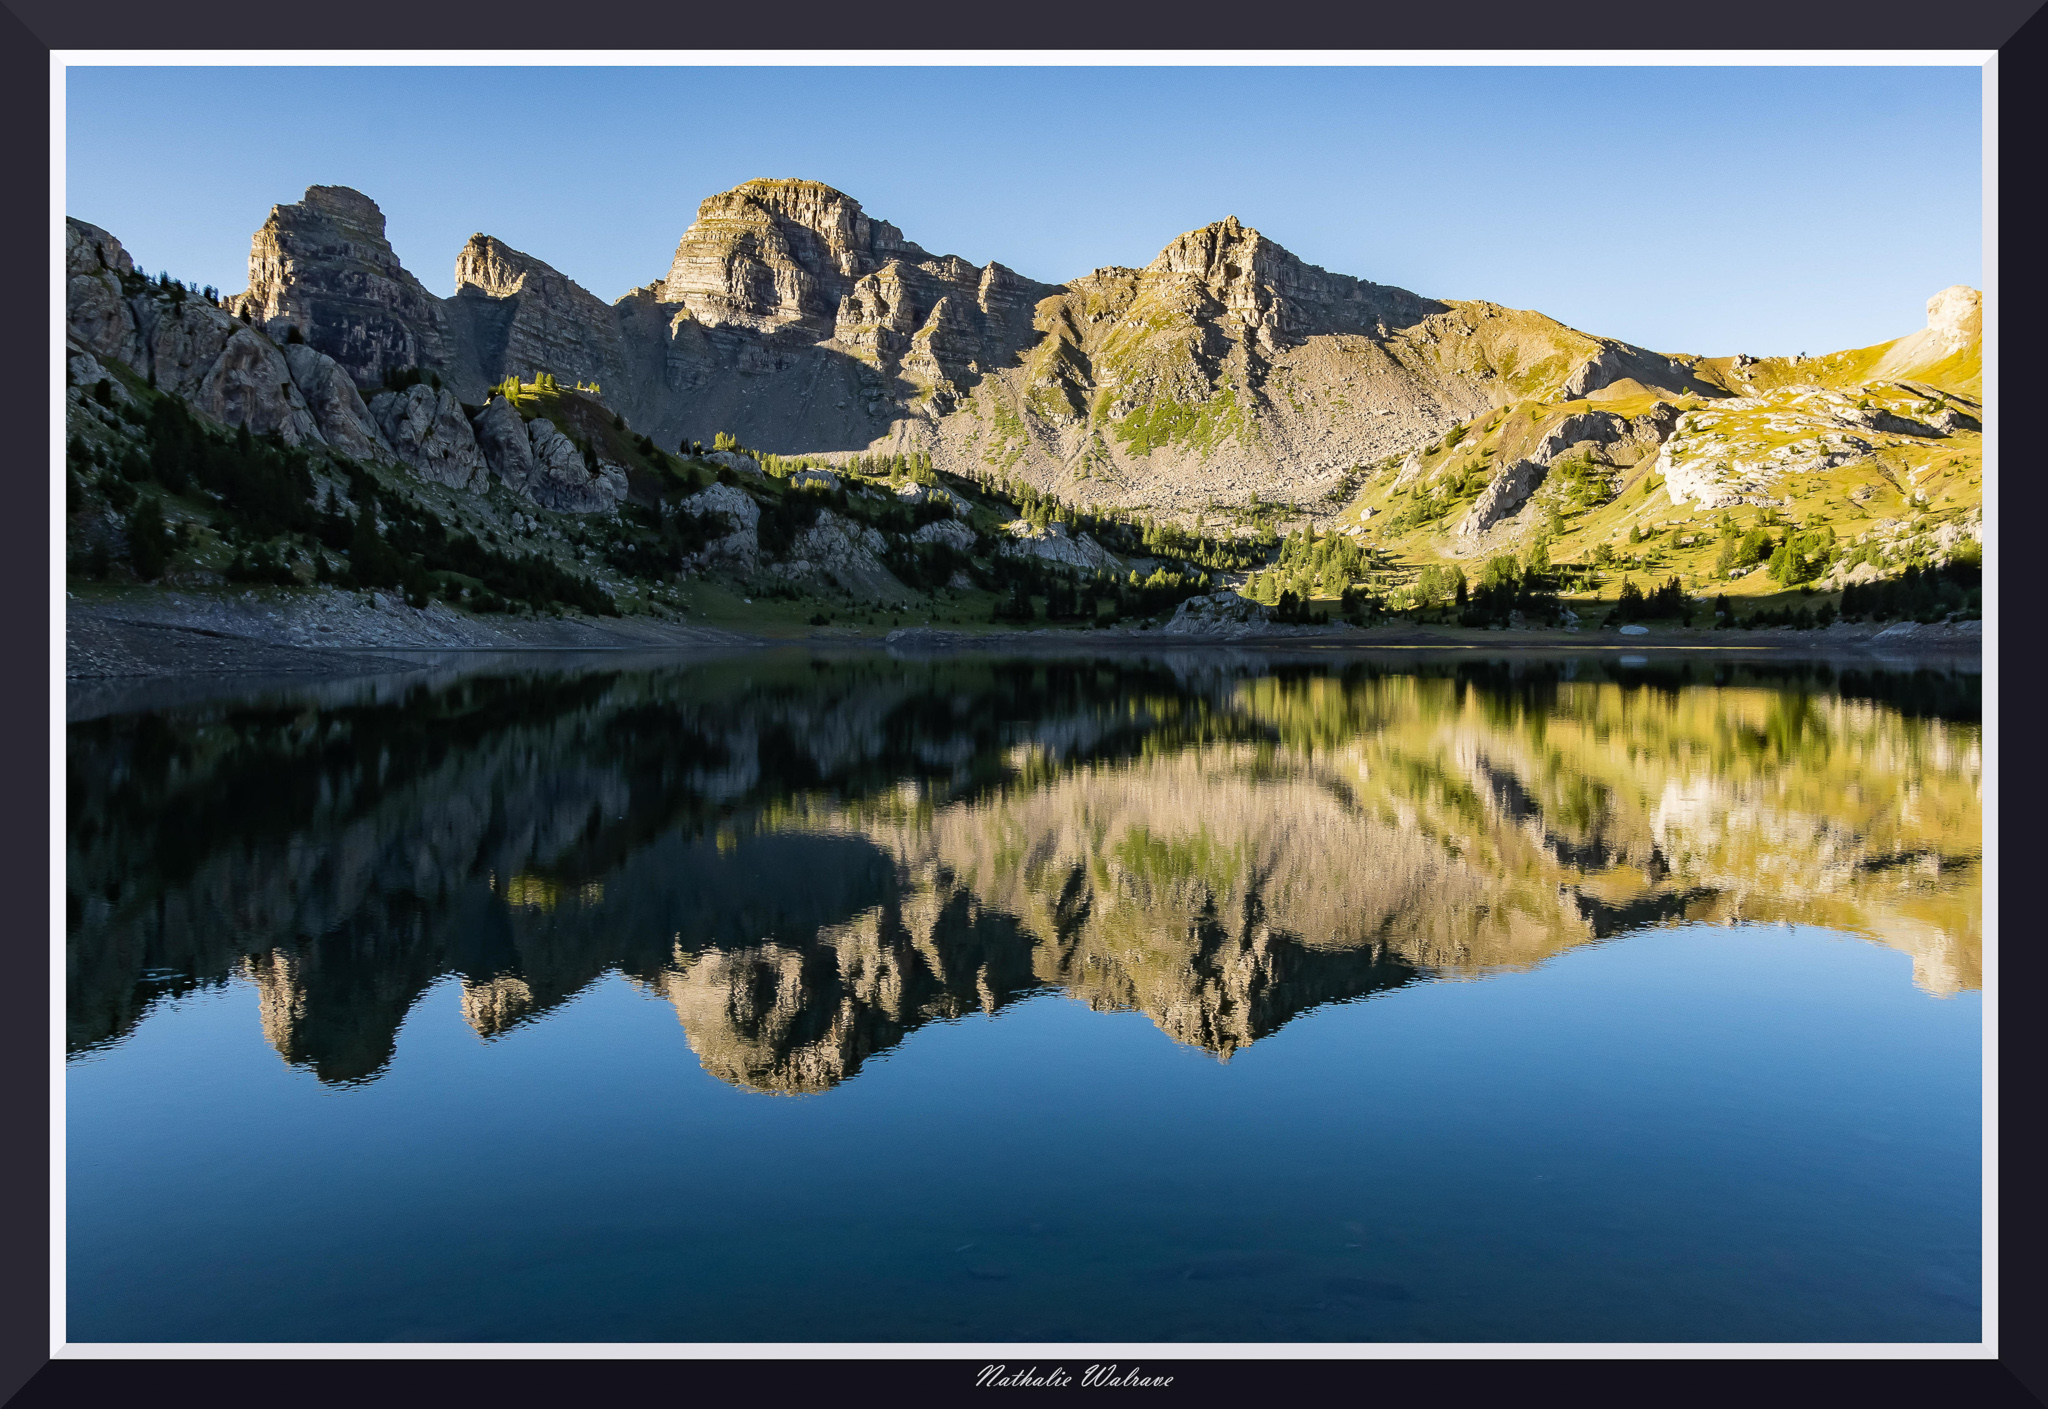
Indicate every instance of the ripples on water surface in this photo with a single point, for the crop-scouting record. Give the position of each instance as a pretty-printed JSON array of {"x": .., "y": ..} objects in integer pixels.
[{"x": 818, "y": 999}]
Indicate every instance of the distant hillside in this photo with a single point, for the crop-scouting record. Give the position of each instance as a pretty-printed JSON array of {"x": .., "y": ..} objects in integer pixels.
[{"x": 1862, "y": 461}]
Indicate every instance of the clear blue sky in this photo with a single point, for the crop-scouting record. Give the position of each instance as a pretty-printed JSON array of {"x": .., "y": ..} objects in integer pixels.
[{"x": 1704, "y": 210}]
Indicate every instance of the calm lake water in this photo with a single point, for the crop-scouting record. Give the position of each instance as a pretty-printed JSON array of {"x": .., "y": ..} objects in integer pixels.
[{"x": 1206, "y": 998}]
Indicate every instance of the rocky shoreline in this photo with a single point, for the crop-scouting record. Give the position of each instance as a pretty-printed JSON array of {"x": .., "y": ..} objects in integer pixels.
[{"x": 338, "y": 632}]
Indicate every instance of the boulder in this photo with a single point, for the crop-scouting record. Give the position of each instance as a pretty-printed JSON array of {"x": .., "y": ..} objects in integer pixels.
[
  {"x": 84, "y": 372},
  {"x": 337, "y": 407},
  {"x": 426, "y": 430},
  {"x": 814, "y": 479},
  {"x": 733, "y": 460}
]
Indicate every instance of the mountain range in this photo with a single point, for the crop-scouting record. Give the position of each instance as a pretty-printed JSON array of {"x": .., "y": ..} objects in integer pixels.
[
  {"x": 798, "y": 323},
  {"x": 1226, "y": 389}
]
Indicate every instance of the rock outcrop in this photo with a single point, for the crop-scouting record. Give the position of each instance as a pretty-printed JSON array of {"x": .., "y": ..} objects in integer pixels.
[
  {"x": 567, "y": 480},
  {"x": 738, "y": 548},
  {"x": 1053, "y": 544},
  {"x": 1218, "y": 614},
  {"x": 932, "y": 493},
  {"x": 337, "y": 407},
  {"x": 507, "y": 448},
  {"x": 1955, "y": 328},
  {"x": 950, "y": 532},
  {"x": 427, "y": 430},
  {"x": 845, "y": 554},
  {"x": 1504, "y": 495},
  {"x": 95, "y": 305}
]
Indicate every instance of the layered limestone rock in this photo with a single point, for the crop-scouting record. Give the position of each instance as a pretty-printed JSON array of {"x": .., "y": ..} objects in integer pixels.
[
  {"x": 427, "y": 430},
  {"x": 769, "y": 255},
  {"x": 323, "y": 266},
  {"x": 799, "y": 258},
  {"x": 1275, "y": 297}
]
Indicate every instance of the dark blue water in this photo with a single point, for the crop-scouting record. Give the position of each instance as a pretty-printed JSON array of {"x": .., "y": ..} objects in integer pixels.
[{"x": 785, "y": 1060}]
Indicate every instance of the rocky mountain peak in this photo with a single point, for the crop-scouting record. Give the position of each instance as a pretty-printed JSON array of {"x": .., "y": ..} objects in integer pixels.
[
  {"x": 347, "y": 207},
  {"x": 323, "y": 266},
  {"x": 770, "y": 254},
  {"x": 1272, "y": 293},
  {"x": 492, "y": 267}
]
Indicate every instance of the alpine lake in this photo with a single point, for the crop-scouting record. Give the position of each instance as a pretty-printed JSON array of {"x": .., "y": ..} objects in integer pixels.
[{"x": 859, "y": 996}]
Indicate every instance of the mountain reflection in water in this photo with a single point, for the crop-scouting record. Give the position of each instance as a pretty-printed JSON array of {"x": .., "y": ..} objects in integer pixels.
[{"x": 810, "y": 857}]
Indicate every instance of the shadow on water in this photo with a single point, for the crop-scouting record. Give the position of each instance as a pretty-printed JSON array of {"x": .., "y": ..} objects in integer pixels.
[{"x": 811, "y": 856}]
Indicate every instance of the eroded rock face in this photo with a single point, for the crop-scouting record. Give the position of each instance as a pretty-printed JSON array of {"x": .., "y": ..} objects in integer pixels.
[
  {"x": 564, "y": 480},
  {"x": 323, "y": 265},
  {"x": 1274, "y": 295},
  {"x": 426, "y": 429},
  {"x": 1505, "y": 494},
  {"x": 337, "y": 407},
  {"x": 223, "y": 367},
  {"x": 778, "y": 254}
]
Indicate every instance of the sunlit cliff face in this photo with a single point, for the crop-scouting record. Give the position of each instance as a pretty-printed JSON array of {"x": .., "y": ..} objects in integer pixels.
[{"x": 810, "y": 866}]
